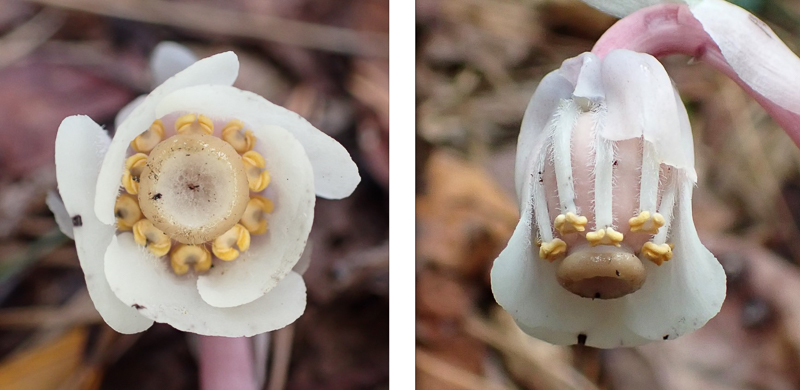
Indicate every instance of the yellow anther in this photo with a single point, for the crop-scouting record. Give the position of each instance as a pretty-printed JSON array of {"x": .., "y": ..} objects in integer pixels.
[
  {"x": 233, "y": 135},
  {"x": 257, "y": 177},
  {"x": 184, "y": 254},
  {"x": 194, "y": 124},
  {"x": 223, "y": 245},
  {"x": 145, "y": 234},
  {"x": 656, "y": 253},
  {"x": 646, "y": 223},
  {"x": 254, "y": 218},
  {"x": 148, "y": 140},
  {"x": 607, "y": 236},
  {"x": 133, "y": 168},
  {"x": 553, "y": 250},
  {"x": 127, "y": 211},
  {"x": 570, "y": 223}
]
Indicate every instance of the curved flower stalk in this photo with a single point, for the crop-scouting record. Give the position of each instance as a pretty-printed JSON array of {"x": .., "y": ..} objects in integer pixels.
[
  {"x": 198, "y": 210},
  {"x": 606, "y": 253},
  {"x": 718, "y": 33}
]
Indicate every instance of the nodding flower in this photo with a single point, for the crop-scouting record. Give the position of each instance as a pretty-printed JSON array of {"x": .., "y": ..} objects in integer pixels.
[
  {"x": 606, "y": 253},
  {"x": 197, "y": 212}
]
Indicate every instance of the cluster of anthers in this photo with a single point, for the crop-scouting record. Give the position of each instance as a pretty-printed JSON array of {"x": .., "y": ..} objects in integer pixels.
[
  {"x": 604, "y": 262},
  {"x": 173, "y": 174}
]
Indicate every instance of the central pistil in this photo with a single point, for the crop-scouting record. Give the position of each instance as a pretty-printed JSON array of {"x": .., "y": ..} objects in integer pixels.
[{"x": 189, "y": 195}]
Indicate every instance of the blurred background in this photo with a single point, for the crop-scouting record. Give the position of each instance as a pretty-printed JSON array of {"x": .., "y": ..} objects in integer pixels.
[
  {"x": 478, "y": 63},
  {"x": 325, "y": 59}
]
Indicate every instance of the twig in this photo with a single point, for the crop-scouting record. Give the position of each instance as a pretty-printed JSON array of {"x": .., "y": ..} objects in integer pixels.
[
  {"x": 26, "y": 38},
  {"x": 235, "y": 24},
  {"x": 448, "y": 373}
]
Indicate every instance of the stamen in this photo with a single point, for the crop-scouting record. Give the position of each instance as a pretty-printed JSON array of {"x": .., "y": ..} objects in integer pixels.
[
  {"x": 603, "y": 183},
  {"x": 194, "y": 124},
  {"x": 540, "y": 210},
  {"x": 187, "y": 254},
  {"x": 667, "y": 205},
  {"x": 648, "y": 194},
  {"x": 657, "y": 253},
  {"x": 223, "y": 245},
  {"x": 254, "y": 217},
  {"x": 570, "y": 223},
  {"x": 553, "y": 250},
  {"x": 145, "y": 234},
  {"x": 607, "y": 236},
  {"x": 564, "y": 123},
  {"x": 257, "y": 177},
  {"x": 646, "y": 223},
  {"x": 133, "y": 169},
  {"x": 127, "y": 211},
  {"x": 232, "y": 134},
  {"x": 148, "y": 140}
]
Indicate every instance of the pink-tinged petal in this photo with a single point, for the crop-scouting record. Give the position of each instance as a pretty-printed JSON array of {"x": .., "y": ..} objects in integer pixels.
[
  {"x": 672, "y": 29},
  {"x": 218, "y": 69},
  {"x": 143, "y": 281},
  {"x": 541, "y": 107},
  {"x": 335, "y": 174},
  {"x": 80, "y": 146},
  {"x": 754, "y": 52}
]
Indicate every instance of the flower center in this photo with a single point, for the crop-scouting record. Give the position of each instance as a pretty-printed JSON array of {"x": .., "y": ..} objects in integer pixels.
[
  {"x": 190, "y": 195},
  {"x": 193, "y": 187}
]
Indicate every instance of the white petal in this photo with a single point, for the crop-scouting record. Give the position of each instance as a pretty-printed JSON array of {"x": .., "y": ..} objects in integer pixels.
[
  {"x": 757, "y": 55},
  {"x": 686, "y": 142},
  {"x": 218, "y": 69},
  {"x": 305, "y": 260},
  {"x": 589, "y": 83},
  {"x": 620, "y": 8},
  {"x": 641, "y": 100},
  {"x": 141, "y": 280},
  {"x": 335, "y": 173},
  {"x": 63, "y": 220},
  {"x": 127, "y": 110},
  {"x": 168, "y": 59},
  {"x": 541, "y": 107},
  {"x": 526, "y": 287},
  {"x": 291, "y": 188},
  {"x": 271, "y": 255},
  {"x": 683, "y": 293},
  {"x": 80, "y": 145}
]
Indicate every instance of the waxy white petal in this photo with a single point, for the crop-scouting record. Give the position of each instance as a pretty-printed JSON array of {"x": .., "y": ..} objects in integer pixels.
[
  {"x": 63, "y": 219},
  {"x": 272, "y": 255},
  {"x": 541, "y": 107},
  {"x": 640, "y": 101},
  {"x": 335, "y": 173},
  {"x": 683, "y": 293},
  {"x": 168, "y": 59},
  {"x": 143, "y": 281},
  {"x": 80, "y": 146},
  {"x": 753, "y": 50},
  {"x": 218, "y": 69}
]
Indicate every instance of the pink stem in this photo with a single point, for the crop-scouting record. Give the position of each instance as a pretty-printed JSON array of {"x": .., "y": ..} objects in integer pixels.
[
  {"x": 226, "y": 363},
  {"x": 666, "y": 29}
]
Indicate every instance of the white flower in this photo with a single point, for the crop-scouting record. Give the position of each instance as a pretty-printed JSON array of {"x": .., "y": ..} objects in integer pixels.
[
  {"x": 206, "y": 168},
  {"x": 606, "y": 253}
]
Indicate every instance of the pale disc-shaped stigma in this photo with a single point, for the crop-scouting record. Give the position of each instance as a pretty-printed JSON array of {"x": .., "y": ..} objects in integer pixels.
[
  {"x": 604, "y": 273},
  {"x": 194, "y": 187}
]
